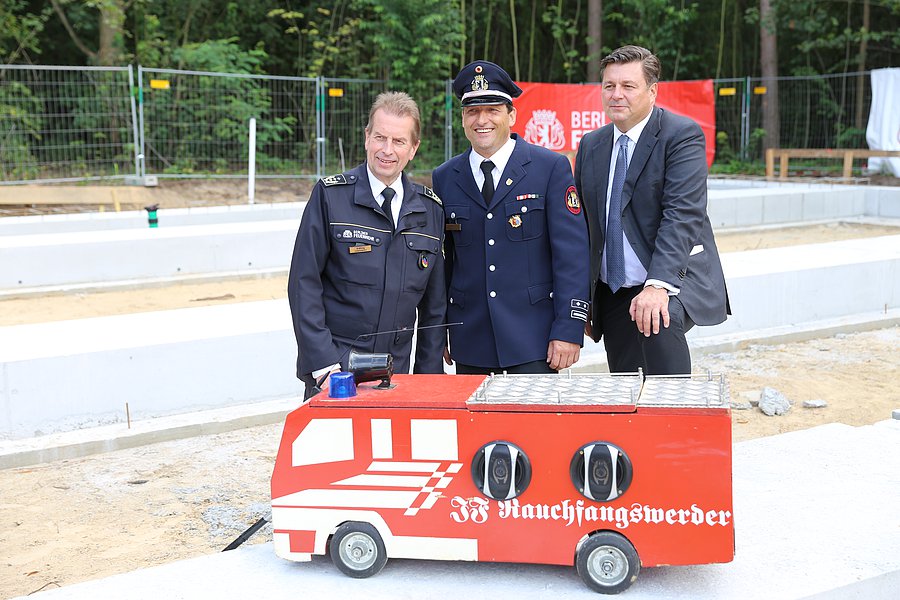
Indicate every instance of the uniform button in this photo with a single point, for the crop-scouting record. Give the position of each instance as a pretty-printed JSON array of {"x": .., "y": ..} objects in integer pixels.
[
  {"x": 490, "y": 242},
  {"x": 410, "y": 244},
  {"x": 493, "y": 294},
  {"x": 524, "y": 209},
  {"x": 377, "y": 240},
  {"x": 453, "y": 215},
  {"x": 451, "y": 300},
  {"x": 492, "y": 268},
  {"x": 490, "y": 215},
  {"x": 551, "y": 294}
]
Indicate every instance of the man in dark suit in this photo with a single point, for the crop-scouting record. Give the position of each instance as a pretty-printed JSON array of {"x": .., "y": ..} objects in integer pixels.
[
  {"x": 655, "y": 269},
  {"x": 516, "y": 245}
]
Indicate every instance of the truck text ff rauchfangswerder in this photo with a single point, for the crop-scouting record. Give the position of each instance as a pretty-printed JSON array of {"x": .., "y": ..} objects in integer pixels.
[{"x": 610, "y": 473}]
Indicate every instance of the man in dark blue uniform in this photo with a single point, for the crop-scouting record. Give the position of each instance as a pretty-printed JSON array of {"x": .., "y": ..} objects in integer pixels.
[
  {"x": 517, "y": 251},
  {"x": 368, "y": 257}
]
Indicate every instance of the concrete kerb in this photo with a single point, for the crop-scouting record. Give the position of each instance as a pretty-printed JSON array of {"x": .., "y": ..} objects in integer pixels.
[{"x": 108, "y": 438}]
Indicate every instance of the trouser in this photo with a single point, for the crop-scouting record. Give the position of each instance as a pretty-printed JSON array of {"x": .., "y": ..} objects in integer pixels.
[
  {"x": 627, "y": 349},
  {"x": 535, "y": 366}
]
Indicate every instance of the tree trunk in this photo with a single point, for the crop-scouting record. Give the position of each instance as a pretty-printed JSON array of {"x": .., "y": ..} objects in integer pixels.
[
  {"x": 595, "y": 39},
  {"x": 515, "y": 39},
  {"x": 768, "y": 59},
  {"x": 861, "y": 66},
  {"x": 112, "y": 25}
]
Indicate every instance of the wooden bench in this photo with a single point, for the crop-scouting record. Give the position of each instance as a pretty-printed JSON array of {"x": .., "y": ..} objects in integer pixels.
[{"x": 847, "y": 154}]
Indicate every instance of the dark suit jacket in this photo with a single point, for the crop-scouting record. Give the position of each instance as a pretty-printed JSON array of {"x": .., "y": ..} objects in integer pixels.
[
  {"x": 663, "y": 211},
  {"x": 351, "y": 276},
  {"x": 529, "y": 247}
]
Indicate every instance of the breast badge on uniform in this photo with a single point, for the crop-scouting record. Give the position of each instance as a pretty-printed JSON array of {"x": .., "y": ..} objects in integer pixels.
[
  {"x": 515, "y": 221},
  {"x": 572, "y": 201},
  {"x": 423, "y": 260}
]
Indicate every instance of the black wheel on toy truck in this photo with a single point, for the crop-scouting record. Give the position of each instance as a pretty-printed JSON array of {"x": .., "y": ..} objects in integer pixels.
[
  {"x": 607, "y": 562},
  {"x": 357, "y": 550}
]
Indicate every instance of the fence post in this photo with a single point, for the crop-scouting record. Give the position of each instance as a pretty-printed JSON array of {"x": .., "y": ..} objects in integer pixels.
[
  {"x": 134, "y": 123},
  {"x": 448, "y": 120},
  {"x": 142, "y": 156},
  {"x": 320, "y": 127},
  {"x": 251, "y": 162},
  {"x": 745, "y": 119}
]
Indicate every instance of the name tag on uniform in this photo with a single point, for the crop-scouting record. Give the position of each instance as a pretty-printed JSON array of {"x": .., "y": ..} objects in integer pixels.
[
  {"x": 452, "y": 227},
  {"x": 358, "y": 249}
]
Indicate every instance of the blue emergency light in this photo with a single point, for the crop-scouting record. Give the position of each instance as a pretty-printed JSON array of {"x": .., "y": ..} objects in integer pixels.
[{"x": 341, "y": 385}]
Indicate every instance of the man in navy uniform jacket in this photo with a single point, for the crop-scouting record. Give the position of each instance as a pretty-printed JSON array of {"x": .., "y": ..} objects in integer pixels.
[
  {"x": 517, "y": 250},
  {"x": 368, "y": 260}
]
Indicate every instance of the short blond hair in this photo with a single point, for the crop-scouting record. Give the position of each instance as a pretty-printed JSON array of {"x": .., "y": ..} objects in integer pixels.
[{"x": 399, "y": 104}]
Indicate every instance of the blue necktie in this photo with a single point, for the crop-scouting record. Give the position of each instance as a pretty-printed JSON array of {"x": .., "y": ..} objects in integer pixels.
[{"x": 615, "y": 254}]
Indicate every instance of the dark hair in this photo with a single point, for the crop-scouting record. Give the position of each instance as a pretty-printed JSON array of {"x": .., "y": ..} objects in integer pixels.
[
  {"x": 399, "y": 104},
  {"x": 628, "y": 54}
]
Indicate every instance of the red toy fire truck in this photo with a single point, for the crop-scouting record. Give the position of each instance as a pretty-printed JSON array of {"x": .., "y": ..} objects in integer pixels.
[{"x": 618, "y": 471}]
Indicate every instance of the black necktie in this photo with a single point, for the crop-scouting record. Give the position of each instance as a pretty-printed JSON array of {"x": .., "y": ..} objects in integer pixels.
[
  {"x": 615, "y": 254},
  {"x": 487, "y": 190},
  {"x": 388, "y": 195}
]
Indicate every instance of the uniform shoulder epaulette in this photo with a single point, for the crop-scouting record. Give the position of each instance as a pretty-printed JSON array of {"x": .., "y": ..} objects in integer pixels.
[
  {"x": 427, "y": 191},
  {"x": 339, "y": 179}
]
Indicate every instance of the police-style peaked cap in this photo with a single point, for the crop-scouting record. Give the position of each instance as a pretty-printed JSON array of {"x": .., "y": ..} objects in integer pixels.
[{"x": 482, "y": 82}]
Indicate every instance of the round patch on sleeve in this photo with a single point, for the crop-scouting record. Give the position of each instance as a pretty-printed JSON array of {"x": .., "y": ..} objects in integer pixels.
[{"x": 572, "y": 201}]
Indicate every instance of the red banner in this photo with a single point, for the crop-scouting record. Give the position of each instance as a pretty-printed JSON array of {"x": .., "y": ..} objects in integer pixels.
[{"x": 557, "y": 115}]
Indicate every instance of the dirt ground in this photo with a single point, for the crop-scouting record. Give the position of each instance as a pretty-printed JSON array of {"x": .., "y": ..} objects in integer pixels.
[{"x": 74, "y": 520}]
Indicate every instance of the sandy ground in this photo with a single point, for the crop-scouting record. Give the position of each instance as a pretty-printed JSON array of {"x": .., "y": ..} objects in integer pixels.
[{"x": 81, "y": 519}]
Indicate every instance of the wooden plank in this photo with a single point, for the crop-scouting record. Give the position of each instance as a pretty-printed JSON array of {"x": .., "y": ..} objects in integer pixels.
[
  {"x": 48, "y": 195},
  {"x": 847, "y": 154}
]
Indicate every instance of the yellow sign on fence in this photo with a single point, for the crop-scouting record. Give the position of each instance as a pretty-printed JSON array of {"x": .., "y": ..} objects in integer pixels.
[
  {"x": 727, "y": 91},
  {"x": 336, "y": 92},
  {"x": 159, "y": 84}
]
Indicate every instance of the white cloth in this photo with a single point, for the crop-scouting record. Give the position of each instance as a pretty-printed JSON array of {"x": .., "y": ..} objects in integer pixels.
[{"x": 883, "y": 130}]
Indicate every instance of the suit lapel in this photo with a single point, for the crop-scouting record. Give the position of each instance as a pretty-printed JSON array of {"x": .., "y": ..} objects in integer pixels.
[
  {"x": 513, "y": 173},
  {"x": 363, "y": 194},
  {"x": 601, "y": 155},
  {"x": 465, "y": 181},
  {"x": 412, "y": 204},
  {"x": 640, "y": 156}
]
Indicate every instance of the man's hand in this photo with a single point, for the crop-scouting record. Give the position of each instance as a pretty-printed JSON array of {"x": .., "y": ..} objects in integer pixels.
[
  {"x": 562, "y": 355},
  {"x": 649, "y": 309}
]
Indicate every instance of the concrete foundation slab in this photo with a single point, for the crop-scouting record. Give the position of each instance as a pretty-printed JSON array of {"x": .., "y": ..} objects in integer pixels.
[
  {"x": 43, "y": 260},
  {"x": 54, "y": 251},
  {"x": 815, "y": 517},
  {"x": 72, "y": 374}
]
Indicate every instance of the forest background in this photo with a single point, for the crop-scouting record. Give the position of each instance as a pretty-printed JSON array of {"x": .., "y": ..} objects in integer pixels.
[{"x": 417, "y": 44}]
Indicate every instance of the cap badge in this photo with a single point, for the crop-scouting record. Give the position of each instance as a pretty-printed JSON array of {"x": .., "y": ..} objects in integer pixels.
[
  {"x": 479, "y": 83},
  {"x": 479, "y": 68}
]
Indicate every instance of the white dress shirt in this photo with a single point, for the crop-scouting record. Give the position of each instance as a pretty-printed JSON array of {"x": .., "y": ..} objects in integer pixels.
[
  {"x": 378, "y": 186},
  {"x": 500, "y": 158},
  {"x": 635, "y": 273}
]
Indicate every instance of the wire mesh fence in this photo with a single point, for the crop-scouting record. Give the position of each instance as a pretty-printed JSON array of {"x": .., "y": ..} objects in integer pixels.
[
  {"x": 196, "y": 123},
  {"x": 83, "y": 123},
  {"x": 66, "y": 123}
]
